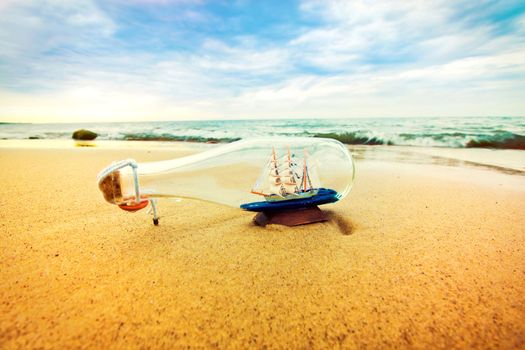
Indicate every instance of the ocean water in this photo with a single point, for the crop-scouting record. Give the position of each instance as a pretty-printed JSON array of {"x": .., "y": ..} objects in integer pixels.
[{"x": 464, "y": 132}]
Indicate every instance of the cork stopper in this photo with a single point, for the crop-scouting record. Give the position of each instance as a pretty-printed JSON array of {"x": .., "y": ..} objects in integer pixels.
[{"x": 111, "y": 189}]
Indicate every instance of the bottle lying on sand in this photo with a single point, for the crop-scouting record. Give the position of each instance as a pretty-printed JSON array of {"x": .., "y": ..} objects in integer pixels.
[{"x": 267, "y": 174}]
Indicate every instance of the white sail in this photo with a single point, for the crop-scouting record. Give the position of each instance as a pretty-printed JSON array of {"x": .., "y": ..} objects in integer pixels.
[
  {"x": 288, "y": 175},
  {"x": 288, "y": 179},
  {"x": 274, "y": 176},
  {"x": 275, "y": 189},
  {"x": 290, "y": 189}
]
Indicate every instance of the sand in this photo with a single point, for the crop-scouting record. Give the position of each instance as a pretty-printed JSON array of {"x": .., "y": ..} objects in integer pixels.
[{"x": 417, "y": 256}]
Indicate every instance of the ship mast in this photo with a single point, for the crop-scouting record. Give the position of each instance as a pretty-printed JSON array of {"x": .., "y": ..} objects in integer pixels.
[
  {"x": 290, "y": 184},
  {"x": 304, "y": 172},
  {"x": 276, "y": 182}
]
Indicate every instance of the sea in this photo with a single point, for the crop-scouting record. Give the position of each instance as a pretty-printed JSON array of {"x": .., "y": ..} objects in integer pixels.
[{"x": 460, "y": 132}]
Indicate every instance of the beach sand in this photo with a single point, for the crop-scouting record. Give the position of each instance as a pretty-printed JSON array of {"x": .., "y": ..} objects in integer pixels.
[{"x": 417, "y": 256}]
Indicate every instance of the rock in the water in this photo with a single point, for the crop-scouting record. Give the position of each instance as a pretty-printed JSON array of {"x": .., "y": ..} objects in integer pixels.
[{"x": 84, "y": 134}]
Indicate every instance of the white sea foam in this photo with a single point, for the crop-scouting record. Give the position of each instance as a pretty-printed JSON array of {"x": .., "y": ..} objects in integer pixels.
[{"x": 485, "y": 132}]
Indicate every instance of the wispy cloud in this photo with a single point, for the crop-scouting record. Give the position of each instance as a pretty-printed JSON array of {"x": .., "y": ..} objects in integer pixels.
[{"x": 76, "y": 60}]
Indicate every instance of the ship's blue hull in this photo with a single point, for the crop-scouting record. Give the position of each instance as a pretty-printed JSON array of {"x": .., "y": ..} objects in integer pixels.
[{"x": 324, "y": 196}]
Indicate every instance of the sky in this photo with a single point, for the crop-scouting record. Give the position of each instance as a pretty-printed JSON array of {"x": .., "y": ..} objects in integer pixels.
[{"x": 136, "y": 60}]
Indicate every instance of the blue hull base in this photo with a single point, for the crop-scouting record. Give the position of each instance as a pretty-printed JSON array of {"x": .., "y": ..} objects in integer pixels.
[{"x": 324, "y": 196}]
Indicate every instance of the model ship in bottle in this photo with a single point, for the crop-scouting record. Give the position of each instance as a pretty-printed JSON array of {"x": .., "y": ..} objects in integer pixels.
[{"x": 289, "y": 183}]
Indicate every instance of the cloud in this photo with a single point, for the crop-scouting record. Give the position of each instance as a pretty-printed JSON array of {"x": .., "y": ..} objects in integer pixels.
[
  {"x": 88, "y": 60},
  {"x": 379, "y": 33},
  {"x": 34, "y": 27}
]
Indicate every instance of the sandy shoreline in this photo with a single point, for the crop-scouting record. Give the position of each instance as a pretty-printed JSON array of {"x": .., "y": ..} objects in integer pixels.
[{"x": 416, "y": 256}]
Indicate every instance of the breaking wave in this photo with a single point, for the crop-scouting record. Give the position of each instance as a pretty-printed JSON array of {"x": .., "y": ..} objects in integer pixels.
[
  {"x": 505, "y": 140},
  {"x": 465, "y": 132},
  {"x": 502, "y": 140},
  {"x": 353, "y": 138},
  {"x": 169, "y": 137}
]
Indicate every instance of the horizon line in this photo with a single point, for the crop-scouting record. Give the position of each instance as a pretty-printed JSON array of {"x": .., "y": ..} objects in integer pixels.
[{"x": 264, "y": 119}]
